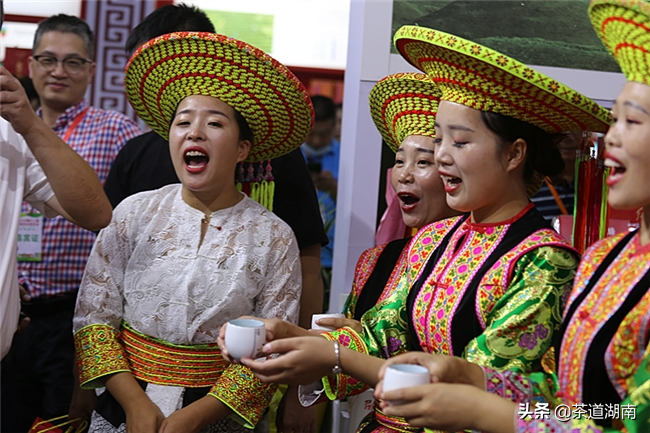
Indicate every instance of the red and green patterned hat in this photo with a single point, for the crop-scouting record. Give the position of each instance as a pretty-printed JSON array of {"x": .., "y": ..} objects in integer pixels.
[
  {"x": 624, "y": 28},
  {"x": 167, "y": 69},
  {"x": 404, "y": 104},
  {"x": 478, "y": 77}
]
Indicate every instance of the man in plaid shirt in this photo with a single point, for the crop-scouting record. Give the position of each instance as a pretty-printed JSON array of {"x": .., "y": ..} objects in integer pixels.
[{"x": 42, "y": 357}]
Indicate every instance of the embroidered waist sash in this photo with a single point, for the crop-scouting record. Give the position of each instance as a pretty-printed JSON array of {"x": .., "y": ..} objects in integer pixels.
[
  {"x": 393, "y": 423},
  {"x": 157, "y": 361}
]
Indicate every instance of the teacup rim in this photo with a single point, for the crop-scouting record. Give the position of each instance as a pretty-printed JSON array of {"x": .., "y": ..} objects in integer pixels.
[
  {"x": 246, "y": 323},
  {"x": 326, "y": 315},
  {"x": 409, "y": 368}
]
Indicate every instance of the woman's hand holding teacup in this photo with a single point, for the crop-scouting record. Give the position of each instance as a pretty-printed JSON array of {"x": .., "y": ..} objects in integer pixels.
[
  {"x": 448, "y": 407},
  {"x": 276, "y": 329},
  {"x": 299, "y": 362},
  {"x": 434, "y": 404},
  {"x": 442, "y": 368}
]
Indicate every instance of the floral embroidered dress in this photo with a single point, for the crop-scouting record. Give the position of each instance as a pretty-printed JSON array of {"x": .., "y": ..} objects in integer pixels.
[
  {"x": 376, "y": 276},
  {"x": 153, "y": 298},
  {"x": 491, "y": 293},
  {"x": 603, "y": 373}
]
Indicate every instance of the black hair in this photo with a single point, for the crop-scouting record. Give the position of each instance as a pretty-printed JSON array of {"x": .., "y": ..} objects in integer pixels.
[
  {"x": 324, "y": 108},
  {"x": 66, "y": 24},
  {"x": 245, "y": 131},
  {"x": 542, "y": 154},
  {"x": 168, "y": 19}
]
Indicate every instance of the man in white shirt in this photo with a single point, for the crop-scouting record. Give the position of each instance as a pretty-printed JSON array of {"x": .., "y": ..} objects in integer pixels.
[{"x": 38, "y": 167}]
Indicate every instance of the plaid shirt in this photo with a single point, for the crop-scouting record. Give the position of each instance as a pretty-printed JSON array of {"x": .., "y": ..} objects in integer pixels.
[{"x": 98, "y": 138}]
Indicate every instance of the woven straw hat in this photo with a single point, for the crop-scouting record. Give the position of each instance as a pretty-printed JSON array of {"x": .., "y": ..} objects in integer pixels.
[
  {"x": 404, "y": 104},
  {"x": 624, "y": 28},
  {"x": 478, "y": 77},
  {"x": 167, "y": 69}
]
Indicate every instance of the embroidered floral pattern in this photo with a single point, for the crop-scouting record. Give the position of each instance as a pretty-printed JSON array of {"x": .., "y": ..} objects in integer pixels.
[
  {"x": 502, "y": 60},
  {"x": 393, "y": 345},
  {"x": 529, "y": 340},
  {"x": 390, "y": 424},
  {"x": 485, "y": 79},
  {"x": 99, "y": 353},
  {"x": 510, "y": 320},
  {"x": 605, "y": 297},
  {"x": 625, "y": 352},
  {"x": 242, "y": 392},
  {"x": 508, "y": 384},
  {"x": 439, "y": 296},
  {"x": 627, "y": 356},
  {"x": 424, "y": 243},
  {"x": 528, "y": 73},
  {"x": 365, "y": 266},
  {"x": 341, "y": 385}
]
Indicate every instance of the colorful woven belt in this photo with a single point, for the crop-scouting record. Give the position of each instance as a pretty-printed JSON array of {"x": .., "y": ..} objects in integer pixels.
[
  {"x": 157, "y": 361},
  {"x": 393, "y": 423}
]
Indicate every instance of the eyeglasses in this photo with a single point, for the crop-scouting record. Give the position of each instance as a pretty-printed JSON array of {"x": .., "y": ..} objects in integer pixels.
[{"x": 72, "y": 65}]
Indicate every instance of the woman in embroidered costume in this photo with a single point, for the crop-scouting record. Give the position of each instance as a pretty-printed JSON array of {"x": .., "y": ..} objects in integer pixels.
[
  {"x": 175, "y": 264},
  {"x": 414, "y": 178},
  {"x": 603, "y": 373},
  {"x": 403, "y": 107},
  {"x": 486, "y": 286}
]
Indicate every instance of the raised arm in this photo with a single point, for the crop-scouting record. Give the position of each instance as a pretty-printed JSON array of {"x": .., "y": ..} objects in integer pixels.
[{"x": 79, "y": 195}]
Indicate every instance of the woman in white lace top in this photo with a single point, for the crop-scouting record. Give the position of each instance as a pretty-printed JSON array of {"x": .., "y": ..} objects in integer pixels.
[{"x": 176, "y": 263}]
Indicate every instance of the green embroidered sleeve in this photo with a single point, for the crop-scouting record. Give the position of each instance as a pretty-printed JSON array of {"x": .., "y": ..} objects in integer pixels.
[
  {"x": 639, "y": 397},
  {"x": 241, "y": 391},
  {"x": 99, "y": 353},
  {"x": 520, "y": 327},
  {"x": 385, "y": 334}
]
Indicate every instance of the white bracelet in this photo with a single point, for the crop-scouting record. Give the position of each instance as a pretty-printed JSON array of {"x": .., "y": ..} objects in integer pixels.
[{"x": 337, "y": 352}]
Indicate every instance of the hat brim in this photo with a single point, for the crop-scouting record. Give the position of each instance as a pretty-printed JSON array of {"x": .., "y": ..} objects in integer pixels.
[
  {"x": 404, "y": 104},
  {"x": 481, "y": 78},
  {"x": 624, "y": 29},
  {"x": 274, "y": 103}
]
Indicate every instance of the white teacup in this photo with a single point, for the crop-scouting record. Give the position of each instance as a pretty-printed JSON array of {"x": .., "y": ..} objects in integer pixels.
[
  {"x": 399, "y": 376},
  {"x": 317, "y": 327},
  {"x": 245, "y": 338}
]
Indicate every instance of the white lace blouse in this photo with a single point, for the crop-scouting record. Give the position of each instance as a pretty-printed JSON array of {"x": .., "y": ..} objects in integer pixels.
[{"x": 146, "y": 268}]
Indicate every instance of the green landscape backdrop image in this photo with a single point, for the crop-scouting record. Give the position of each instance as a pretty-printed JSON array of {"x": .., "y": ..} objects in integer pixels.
[{"x": 538, "y": 32}]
